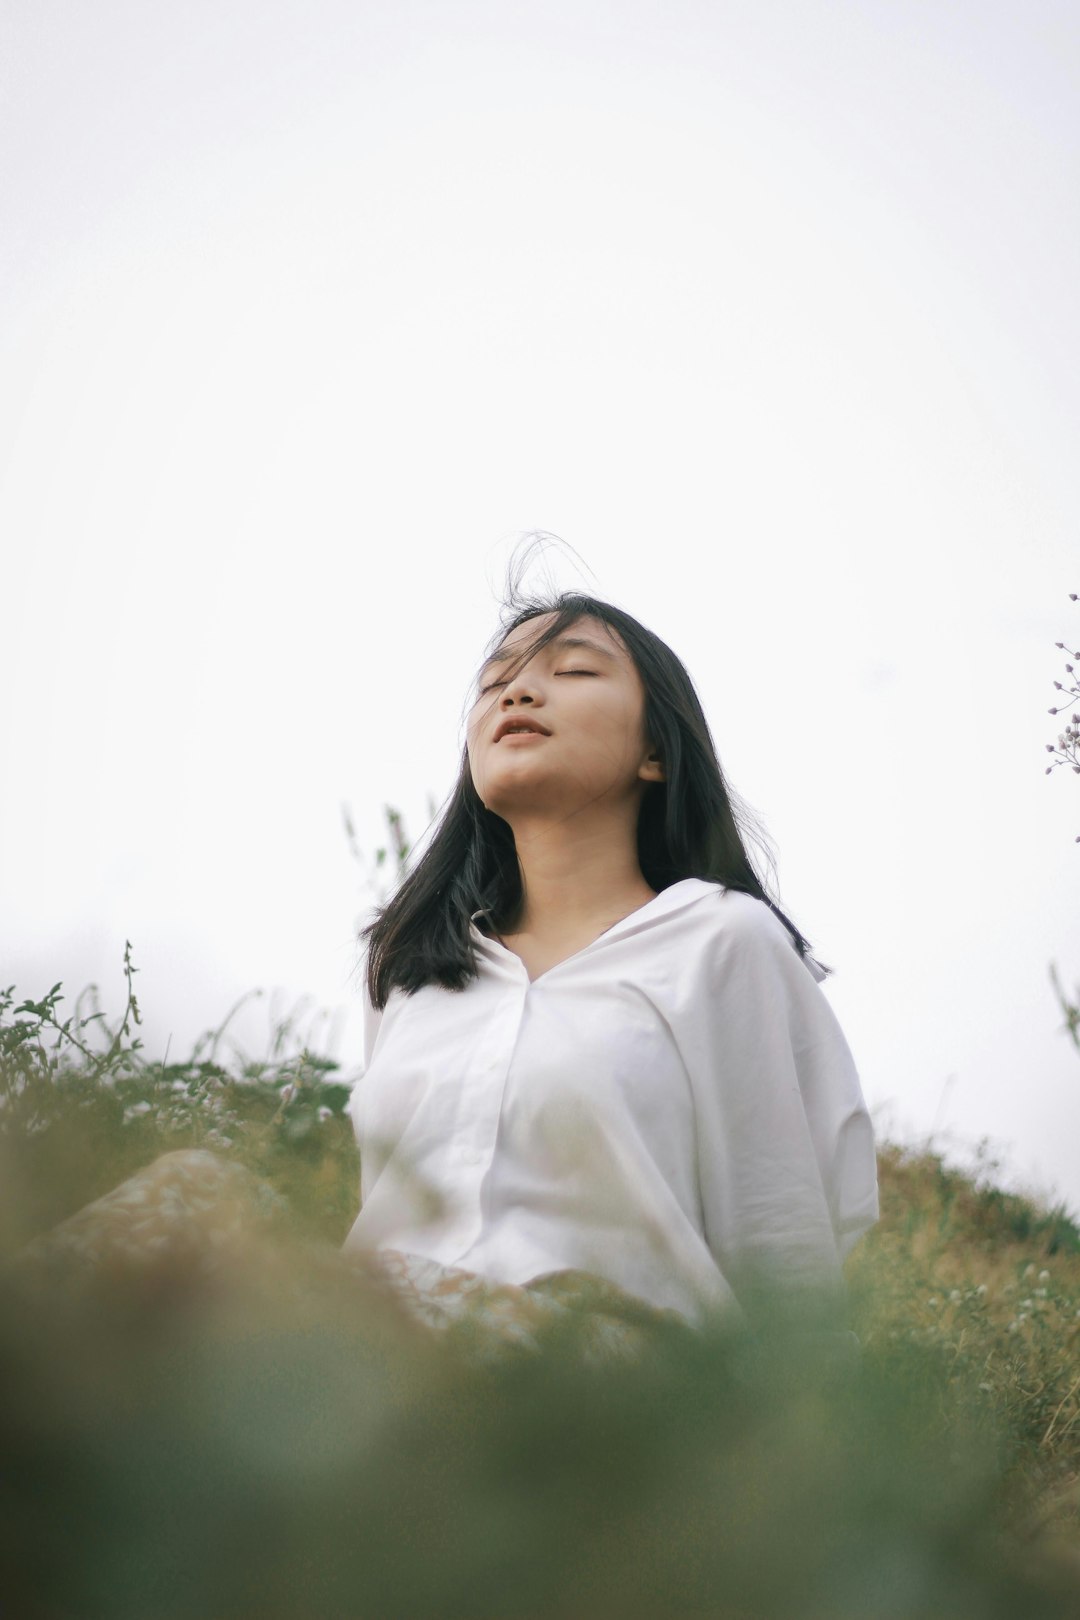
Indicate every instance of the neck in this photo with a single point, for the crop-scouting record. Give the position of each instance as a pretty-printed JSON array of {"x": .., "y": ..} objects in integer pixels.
[{"x": 575, "y": 873}]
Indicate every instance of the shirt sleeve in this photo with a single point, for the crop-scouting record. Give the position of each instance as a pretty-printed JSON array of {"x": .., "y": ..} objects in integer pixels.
[{"x": 786, "y": 1155}]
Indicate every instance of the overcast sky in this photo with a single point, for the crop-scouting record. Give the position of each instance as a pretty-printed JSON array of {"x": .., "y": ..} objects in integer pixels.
[{"x": 767, "y": 309}]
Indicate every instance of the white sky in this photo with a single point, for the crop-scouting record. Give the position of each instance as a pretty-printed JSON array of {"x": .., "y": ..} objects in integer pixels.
[{"x": 767, "y": 309}]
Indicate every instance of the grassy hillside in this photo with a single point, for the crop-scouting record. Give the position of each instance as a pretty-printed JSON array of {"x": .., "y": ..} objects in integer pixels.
[
  {"x": 285, "y": 1424},
  {"x": 991, "y": 1283}
]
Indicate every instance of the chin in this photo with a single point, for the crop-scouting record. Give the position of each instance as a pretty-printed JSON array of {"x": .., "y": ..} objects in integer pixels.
[{"x": 522, "y": 792}]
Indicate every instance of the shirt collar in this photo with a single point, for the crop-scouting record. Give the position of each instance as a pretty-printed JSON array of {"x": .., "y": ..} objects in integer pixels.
[{"x": 676, "y": 897}]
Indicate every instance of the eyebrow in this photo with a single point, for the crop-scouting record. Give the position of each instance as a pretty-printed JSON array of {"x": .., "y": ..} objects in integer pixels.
[{"x": 561, "y": 642}]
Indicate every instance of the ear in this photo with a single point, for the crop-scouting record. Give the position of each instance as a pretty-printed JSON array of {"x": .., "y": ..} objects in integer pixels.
[{"x": 651, "y": 770}]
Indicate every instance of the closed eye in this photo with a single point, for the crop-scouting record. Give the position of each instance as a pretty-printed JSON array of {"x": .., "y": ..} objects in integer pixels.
[{"x": 490, "y": 687}]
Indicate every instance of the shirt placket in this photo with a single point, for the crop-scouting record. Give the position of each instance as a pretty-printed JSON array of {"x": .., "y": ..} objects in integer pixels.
[{"x": 481, "y": 1107}]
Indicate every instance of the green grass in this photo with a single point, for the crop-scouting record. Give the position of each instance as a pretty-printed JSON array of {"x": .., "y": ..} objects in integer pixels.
[
  {"x": 275, "y": 1442},
  {"x": 991, "y": 1283}
]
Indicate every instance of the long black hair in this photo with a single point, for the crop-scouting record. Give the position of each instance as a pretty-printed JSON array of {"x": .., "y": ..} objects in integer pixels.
[{"x": 688, "y": 824}]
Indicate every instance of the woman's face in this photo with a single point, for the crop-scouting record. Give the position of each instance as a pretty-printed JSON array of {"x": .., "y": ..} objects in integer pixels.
[{"x": 584, "y": 698}]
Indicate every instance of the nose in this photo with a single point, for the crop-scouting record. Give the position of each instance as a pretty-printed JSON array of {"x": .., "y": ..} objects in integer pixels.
[
  {"x": 518, "y": 690},
  {"x": 518, "y": 694}
]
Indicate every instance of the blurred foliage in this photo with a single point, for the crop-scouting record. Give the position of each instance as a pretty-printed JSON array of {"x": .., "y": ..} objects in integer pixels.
[{"x": 269, "y": 1443}]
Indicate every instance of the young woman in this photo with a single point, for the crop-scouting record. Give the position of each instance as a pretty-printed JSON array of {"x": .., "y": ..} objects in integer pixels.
[
  {"x": 600, "y": 1074},
  {"x": 593, "y": 1046}
]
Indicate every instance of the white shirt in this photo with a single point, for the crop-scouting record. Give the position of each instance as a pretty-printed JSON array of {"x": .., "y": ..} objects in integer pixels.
[{"x": 667, "y": 1107}]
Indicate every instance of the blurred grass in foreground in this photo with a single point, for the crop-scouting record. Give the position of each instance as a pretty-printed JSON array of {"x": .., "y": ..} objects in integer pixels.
[{"x": 274, "y": 1440}]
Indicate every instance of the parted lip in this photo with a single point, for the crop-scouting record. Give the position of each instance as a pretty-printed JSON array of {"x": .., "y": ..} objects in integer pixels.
[{"x": 515, "y": 722}]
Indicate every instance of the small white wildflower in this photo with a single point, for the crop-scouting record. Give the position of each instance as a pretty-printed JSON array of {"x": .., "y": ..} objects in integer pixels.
[
  {"x": 1023, "y": 1317},
  {"x": 1028, "y": 1270},
  {"x": 933, "y": 1300},
  {"x": 1040, "y": 1293},
  {"x": 133, "y": 1110},
  {"x": 179, "y": 1085},
  {"x": 325, "y": 1114},
  {"x": 1013, "y": 1326},
  {"x": 954, "y": 1295},
  {"x": 1026, "y": 1304},
  {"x": 1044, "y": 1276},
  {"x": 981, "y": 1289},
  {"x": 989, "y": 1388}
]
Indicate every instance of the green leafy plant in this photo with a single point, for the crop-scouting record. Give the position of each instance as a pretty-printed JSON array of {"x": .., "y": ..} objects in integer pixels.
[{"x": 82, "y": 1107}]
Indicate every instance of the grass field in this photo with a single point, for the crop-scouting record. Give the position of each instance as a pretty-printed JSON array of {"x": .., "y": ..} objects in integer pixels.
[{"x": 277, "y": 1448}]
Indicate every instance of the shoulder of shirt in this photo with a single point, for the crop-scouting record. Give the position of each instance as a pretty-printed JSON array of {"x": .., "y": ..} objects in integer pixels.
[
  {"x": 747, "y": 919},
  {"x": 733, "y": 911}
]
